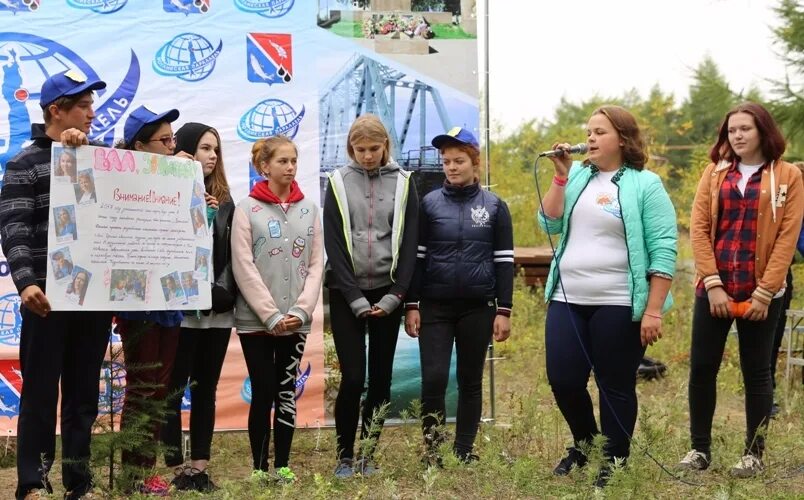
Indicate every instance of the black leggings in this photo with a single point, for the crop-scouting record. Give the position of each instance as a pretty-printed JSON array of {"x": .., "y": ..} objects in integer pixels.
[
  {"x": 708, "y": 342},
  {"x": 199, "y": 358},
  {"x": 272, "y": 362},
  {"x": 612, "y": 341},
  {"x": 349, "y": 334},
  {"x": 469, "y": 325}
]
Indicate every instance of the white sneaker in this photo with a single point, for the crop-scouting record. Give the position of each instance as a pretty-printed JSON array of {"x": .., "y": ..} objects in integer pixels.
[
  {"x": 748, "y": 466},
  {"x": 695, "y": 460}
]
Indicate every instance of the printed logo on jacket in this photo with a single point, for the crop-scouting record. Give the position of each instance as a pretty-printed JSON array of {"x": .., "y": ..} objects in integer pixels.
[{"x": 188, "y": 56}]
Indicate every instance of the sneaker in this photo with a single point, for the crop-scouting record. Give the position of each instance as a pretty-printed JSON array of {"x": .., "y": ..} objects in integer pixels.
[
  {"x": 366, "y": 467},
  {"x": 344, "y": 469},
  {"x": 467, "y": 458},
  {"x": 261, "y": 477},
  {"x": 574, "y": 459},
  {"x": 154, "y": 485},
  {"x": 603, "y": 476},
  {"x": 432, "y": 459},
  {"x": 749, "y": 466},
  {"x": 775, "y": 409},
  {"x": 36, "y": 494},
  {"x": 84, "y": 493},
  {"x": 200, "y": 481},
  {"x": 285, "y": 476},
  {"x": 181, "y": 478},
  {"x": 695, "y": 460}
]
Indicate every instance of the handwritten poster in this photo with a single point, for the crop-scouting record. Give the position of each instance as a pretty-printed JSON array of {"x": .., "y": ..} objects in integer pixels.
[{"x": 128, "y": 231}]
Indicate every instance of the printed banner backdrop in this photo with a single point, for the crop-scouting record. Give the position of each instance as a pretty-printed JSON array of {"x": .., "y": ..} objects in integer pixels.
[
  {"x": 251, "y": 69},
  {"x": 128, "y": 231}
]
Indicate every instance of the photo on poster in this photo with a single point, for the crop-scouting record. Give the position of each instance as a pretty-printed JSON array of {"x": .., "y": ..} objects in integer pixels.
[
  {"x": 198, "y": 194},
  {"x": 201, "y": 263},
  {"x": 197, "y": 215},
  {"x": 85, "y": 188},
  {"x": 174, "y": 295},
  {"x": 62, "y": 263},
  {"x": 128, "y": 285},
  {"x": 77, "y": 287},
  {"x": 66, "y": 165},
  {"x": 190, "y": 285},
  {"x": 66, "y": 228}
]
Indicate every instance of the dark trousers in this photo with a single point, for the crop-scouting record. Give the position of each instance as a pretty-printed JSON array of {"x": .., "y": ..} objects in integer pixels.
[
  {"x": 272, "y": 362},
  {"x": 779, "y": 332},
  {"x": 349, "y": 334},
  {"x": 199, "y": 360},
  {"x": 708, "y": 342},
  {"x": 149, "y": 350},
  {"x": 69, "y": 346},
  {"x": 612, "y": 341},
  {"x": 468, "y": 325}
]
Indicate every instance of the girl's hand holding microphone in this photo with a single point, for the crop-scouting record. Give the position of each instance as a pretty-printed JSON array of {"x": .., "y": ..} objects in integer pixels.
[{"x": 561, "y": 162}]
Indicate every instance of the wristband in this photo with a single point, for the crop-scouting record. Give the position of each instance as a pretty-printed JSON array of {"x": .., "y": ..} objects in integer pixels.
[
  {"x": 558, "y": 181},
  {"x": 657, "y": 316}
]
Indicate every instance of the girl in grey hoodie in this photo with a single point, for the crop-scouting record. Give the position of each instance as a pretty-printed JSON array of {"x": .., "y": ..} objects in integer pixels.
[{"x": 370, "y": 231}]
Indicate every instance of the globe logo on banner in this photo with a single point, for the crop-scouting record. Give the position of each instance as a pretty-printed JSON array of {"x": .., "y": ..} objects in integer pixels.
[
  {"x": 15, "y": 6},
  {"x": 270, "y": 58},
  {"x": 301, "y": 382},
  {"x": 38, "y": 58},
  {"x": 10, "y": 319},
  {"x": 189, "y": 57},
  {"x": 268, "y": 118},
  {"x": 186, "y": 7},
  {"x": 98, "y": 6},
  {"x": 266, "y": 8}
]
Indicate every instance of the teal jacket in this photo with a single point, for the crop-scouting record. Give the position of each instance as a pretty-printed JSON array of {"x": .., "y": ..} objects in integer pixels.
[{"x": 651, "y": 234}]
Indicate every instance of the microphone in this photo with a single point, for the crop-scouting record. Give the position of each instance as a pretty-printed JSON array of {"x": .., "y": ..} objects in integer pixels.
[{"x": 581, "y": 148}]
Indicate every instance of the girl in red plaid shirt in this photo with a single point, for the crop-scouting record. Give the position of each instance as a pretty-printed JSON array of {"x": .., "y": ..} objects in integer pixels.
[{"x": 744, "y": 226}]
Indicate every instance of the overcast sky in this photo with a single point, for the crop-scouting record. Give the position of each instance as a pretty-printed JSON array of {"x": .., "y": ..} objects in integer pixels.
[{"x": 542, "y": 50}]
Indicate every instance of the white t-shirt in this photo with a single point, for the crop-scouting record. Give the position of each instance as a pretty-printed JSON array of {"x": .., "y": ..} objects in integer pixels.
[
  {"x": 746, "y": 171},
  {"x": 594, "y": 266}
]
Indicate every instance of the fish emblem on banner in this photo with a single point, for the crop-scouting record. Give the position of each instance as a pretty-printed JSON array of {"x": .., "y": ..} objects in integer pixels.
[
  {"x": 10, "y": 387},
  {"x": 266, "y": 8},
  {"x": 15, "y": 6},
  {"x": 186, "y": 7},
  {"x": 268, "y": 118},
  {"x": 188, "y": 56},
  {"x": 269, "y": 58},
  {"x": 98, "y": 6}
]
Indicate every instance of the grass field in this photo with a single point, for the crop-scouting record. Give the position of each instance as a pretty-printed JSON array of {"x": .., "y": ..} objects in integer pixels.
[
  {"x": 519, "y": 450},
  {"x": 351, "y": 29}
]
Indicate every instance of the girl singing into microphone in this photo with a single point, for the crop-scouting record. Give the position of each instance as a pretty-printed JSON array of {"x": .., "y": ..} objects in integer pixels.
[{"x": 609, "y": 281}]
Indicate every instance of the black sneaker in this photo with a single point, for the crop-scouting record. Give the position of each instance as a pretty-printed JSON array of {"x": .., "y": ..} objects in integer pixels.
[
  {"x": 775, "y": 409},
  {"x": 603, "y": 476},
  {"x": 200, "y": 481},
  {"x": 574, "y": 459},
  {"x": 695, "y": 460},
  {"x": 181, "y": 478},
  {"x": 467, "y": 457}
]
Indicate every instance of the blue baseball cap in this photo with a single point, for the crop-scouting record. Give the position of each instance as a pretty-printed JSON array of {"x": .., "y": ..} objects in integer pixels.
[
  {"x": 143, "y": 116},
  {"x": 456, "y": 134},
  {"x": 64, "y": 84}
]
